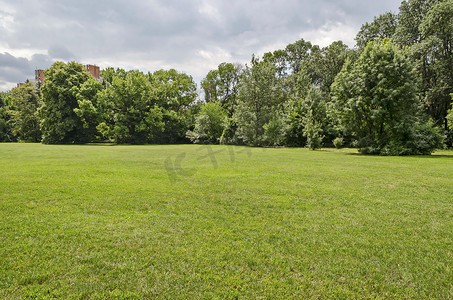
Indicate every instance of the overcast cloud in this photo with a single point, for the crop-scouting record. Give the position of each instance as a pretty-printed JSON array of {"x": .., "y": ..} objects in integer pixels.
[{"x": 192, "y": 36}]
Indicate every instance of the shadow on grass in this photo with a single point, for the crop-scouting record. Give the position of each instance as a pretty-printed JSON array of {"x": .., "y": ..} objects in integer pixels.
[
  {"x": 411, "y": 156},
  {"x": 355, "y": 152}
]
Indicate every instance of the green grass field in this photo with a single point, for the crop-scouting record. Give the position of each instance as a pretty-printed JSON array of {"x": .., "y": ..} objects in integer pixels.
[{"x": 189, "y": 221}]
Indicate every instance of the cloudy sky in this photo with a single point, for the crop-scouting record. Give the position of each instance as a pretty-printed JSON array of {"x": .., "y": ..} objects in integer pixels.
[{"x": 192, "y": 36}]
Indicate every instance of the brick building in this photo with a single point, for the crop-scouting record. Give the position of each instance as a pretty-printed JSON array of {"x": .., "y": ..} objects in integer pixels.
[
  {"x": 39, "y": 76},
  {"x": 92, "y": 69}
]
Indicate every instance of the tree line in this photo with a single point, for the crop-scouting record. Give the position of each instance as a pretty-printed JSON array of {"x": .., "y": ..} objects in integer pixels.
[{"x": 390, "y": 95}]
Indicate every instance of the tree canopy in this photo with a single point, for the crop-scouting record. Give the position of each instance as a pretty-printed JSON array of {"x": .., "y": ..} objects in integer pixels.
[
  {"x": 390, "y": 94},
  {"x": 375, "y": 99},
  {"x": 59, "y": 122}
]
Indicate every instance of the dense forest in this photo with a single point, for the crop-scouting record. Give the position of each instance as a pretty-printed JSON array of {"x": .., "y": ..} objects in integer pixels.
[{"x": 391, "y": 94}]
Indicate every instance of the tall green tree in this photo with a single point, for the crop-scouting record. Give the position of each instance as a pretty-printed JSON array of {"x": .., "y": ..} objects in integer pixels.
[
  {"x": 410, "y": 16},
  {"x": 326, "y": 63},
  {"x": 436, "y": 30},
  {"x": 260, "y": 96},
  {"x": 297, "y": 54},
  {"x": 383, "y": 26},
  {"x": 374, "y": 99},
  {"x": 133, "y": 115},
  {"x": 221, "y": 85},
  {"x": 24, "y": 113},
  {"x": 297, "y": 86},
  {"x": 91, "y": 109},
  {"x": 314, "y": 118},
  {"x": 6, "y": 134},
  {"x": 418, "y": 31},
  {"x": 59, "y": 122},
  {"x": 175, "y": 93},
  {"x": 281, "y": 60}
]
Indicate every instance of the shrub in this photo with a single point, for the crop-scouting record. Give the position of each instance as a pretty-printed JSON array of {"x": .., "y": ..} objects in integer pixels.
[
  {"x": 338, "y": 142},
  {"x": 209, "y": 124}
]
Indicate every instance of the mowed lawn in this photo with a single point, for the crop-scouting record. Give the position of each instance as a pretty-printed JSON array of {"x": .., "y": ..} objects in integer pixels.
[{"x": 193, "y": 222}]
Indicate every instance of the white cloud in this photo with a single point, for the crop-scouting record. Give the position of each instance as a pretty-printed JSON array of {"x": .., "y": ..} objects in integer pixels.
[
  {"x": 6, "y": 21},
  {"x": 208, "y": 9},
  {"x": 330, "y": 33},
  {"x": 23, "y": 52}
]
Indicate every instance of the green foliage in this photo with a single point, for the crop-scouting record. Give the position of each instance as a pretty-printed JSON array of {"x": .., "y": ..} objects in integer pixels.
[
  {"x": 59, "y": 122},
  {"x": 209, "y": 124},
  {"x": 326, "y": 63},
  {"x": 313, "y": 133},
  {"x": 274, "y": 131},
  {"x": 293, "y": 134},
  {"x": 273, "y": 101},
  {"x": 175, "y": 93},
  {"x": 138, "y": 108},
  {"x": 280, "y": 59},
  {"x": 375, "y": 100},
  {"x": 421, "y": 139},
  {"x": 221, "y": 85},
  {"x": 436, "y": 29},
  {"x": 296, "y": 86},
  {"x": 260, "y": 97},
  {"x": 229, "y": 133},
  {"x": 6, "y": 134},
  {"x": 338, "y": 142},
  {"x": 297, "y": 54},
  {"x": 173, "y": 90},
  {"x": 24, "y": 113},
  {"x": 450, "y": 116},
  {"x": 109, "y": 73},
  {"x": 300, "y": 59},
  {"x": 426, "y": 27},
  {"x": 314, "y": 116},
  {"x": 91, "y": 110},
  {"x": 410, "y": 16},
  {"x": 384, "y": 26},
  {"x": 132, "y": 113}
]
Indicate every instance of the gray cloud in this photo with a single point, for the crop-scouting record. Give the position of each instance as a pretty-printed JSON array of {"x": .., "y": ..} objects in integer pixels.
[
  {"x": 61, "y": 52},
  {"x": 192, "y": 36},
  {"x": 18, "y": 69}
]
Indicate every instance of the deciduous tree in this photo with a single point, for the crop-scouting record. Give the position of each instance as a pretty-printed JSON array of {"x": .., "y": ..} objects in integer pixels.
[
  {"x": 260, "y": 96},
  {"x": 436, "y": 30},
  {"x": 221, "y": 85},
  {"x": 24, "y": 113},
  {"x": 175, "y": 93},
  {"x": 383, "y": 26},
  {"x": 6, "y": 134},
  {"x": 133, "y": 114},
  {"x": 59, "y": 122},
  {"x": 375, "y": 99}
]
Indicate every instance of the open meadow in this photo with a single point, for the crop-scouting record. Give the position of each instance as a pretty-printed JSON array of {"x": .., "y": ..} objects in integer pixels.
[{"x": 191, "y": 221}]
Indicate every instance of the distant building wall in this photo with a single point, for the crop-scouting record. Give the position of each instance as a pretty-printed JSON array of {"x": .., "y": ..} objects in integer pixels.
[
  {"x": 94, "y": 71},
  {"x": 39, "y": 75}
]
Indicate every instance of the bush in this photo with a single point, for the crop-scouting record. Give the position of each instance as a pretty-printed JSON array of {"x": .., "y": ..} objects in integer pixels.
[
  {"x": 209, "y": 124},
  {"x": 338, "y": 142},
  {"x": 273, "y": 132},
  {"x": 423, "y": 139}
]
